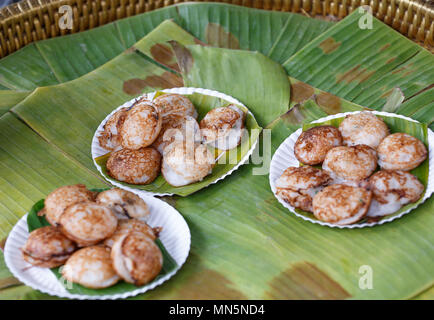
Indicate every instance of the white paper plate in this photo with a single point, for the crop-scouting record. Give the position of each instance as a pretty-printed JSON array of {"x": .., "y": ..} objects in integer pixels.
[
  {"x": 284, "y": 157},
  {"x": 98, "y": 150},
  {"x": 175, "y": 236}
]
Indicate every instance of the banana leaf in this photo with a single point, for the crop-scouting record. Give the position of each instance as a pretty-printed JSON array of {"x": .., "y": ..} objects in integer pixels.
[
  {"x": 155, "y": 44},
  {"x": 9, "y": 98},
  {"x": 203, "y": 104},
  {"x": 288, "y": 246},
  {"x": 30, "y": 169},
  {"x": 35, "y": 222},
  {"x": 295, "y": 34},
  {"x": 329, "y": 103},
  {"x": 134, "y": 28},
  {"x": 360, "y": 65},
  {"x": 257, "y": 81},
  {"x": 275, "y": 34},
  {"x": 426, "y": 295},
  {"x": 62, "y": 59},
  {"x": 67, "y": 115},
  {"x": 26, "y": 69},
  {"x": 419, "y": 107},
  {"x": 24, "y": 293},
  {"x": 282, "y": 248},
  {"x": 74, "y": 55},
  {"x": 52, "y": 61},
  {"x": 418, "y": 130}
]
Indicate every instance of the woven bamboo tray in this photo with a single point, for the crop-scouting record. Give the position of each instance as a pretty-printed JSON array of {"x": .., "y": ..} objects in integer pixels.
[{"x": 33, "y": 20}]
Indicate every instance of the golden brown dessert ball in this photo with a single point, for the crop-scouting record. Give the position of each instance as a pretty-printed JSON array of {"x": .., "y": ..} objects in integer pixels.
[
  {"x": 401, "y": 151},
  {"x": 61, "y": 198},
  {"x": 91, "y": 267},
  {"x": 223, "y": 127},
  {"x": 341, "y": 204},
  {"x": 47, "y": 247},
  {"x": 171, "y": 104},
  {"x": 363, "y": 128},
  {"x": 177, "y": 128},
  {"x": 141, "y": 126},
  {"x": 110, "y": 138},
  {"x": 353, "y": 163},
  {"x": 183, "y": 164},
  {"x": 123, "y": 203},
  {"x": 130, "y": 225},
  {"x": 140, "y": 166},
  {"x": 88, "y": 223},
  {"x": 313, "y": 144},
  {"x": 391, "y": 190},
  {"x": 298, "y": 185},
  {"x": 136, "y": 258}
]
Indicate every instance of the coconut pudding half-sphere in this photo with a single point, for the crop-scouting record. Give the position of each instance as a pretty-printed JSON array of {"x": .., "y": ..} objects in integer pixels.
[
  {"x": 47, "y": 247},
  {"x": 88, "y": 223},
  {"x": 363, "y": 128},
  {"x": 173, "y": 104},
  {"x": 136, "y": 258},
  {"x": 298, "y": 185},
  {"x": 110, "y": 138},
  {"x": 185, "y": 163},
  {"x": 142, "y": 125},
  {"x": 392, "y": 190},
  {"x": 350, "y": 165},
  {"x": 341, "y": 204},
  {"x": 223, "y": 127},
  {"x": 140, "y": 166},
  {"x": 91, "y": 267},
  {"x": 313, "y": 144},
  {"x": 61, "y": 198},
  {"x": 401, "y": 151},
  {"x": 130, "y": 225},
  {"x": 177, "y": 128},
  {"x": 124, "y": 204}
]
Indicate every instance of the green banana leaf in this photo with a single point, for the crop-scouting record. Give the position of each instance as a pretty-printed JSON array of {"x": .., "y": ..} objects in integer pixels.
[
  {"x": 155, "y": 44},
  {"x": 418, "y": 130},
  {"x": 52, "y": 61},
  {"x": 275, "y": 34},
  {"x": 67, "y": 115},
  {"x": 288, "y": 245},
  {"x": 35, "y": 222},
  {"x": 239, "y": 230},
  {"x": 329, "y": 103},
  {"x": 9, "y": 98},
  {"x": 419, "y": 107},
  {"x": 255, "y": 80},
  {"x": 24, "y": 293},
  {"x": 75, "y": 55},
  {"x": 30, "y": 169},
  {"x": 363, "y": 65},
  {"x": 426, "y": 295},
  {"x": 26, "y": 69},
  {"x": 134, "y": 28}
]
